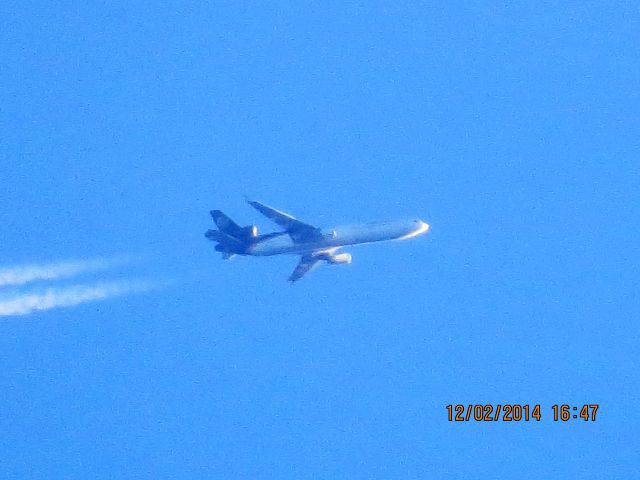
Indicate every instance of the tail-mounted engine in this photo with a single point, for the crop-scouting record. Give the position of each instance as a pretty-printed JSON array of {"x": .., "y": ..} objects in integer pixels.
[
  {"x": 249, "y": 232},
  {"x": 228, "y": 226}
]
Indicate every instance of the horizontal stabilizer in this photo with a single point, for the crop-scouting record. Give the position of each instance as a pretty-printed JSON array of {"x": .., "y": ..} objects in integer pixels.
[{"x": 224, "y": 239}]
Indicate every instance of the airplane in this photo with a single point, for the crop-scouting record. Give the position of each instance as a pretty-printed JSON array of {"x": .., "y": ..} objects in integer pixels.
[{"x": 314, "y": 245}]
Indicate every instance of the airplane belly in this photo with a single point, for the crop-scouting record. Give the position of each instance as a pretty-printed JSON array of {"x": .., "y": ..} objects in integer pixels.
[
  {"x": 380, "y": 231},
  {"x": 272, "y": 246},
  {"x": 339, "y": 236}
]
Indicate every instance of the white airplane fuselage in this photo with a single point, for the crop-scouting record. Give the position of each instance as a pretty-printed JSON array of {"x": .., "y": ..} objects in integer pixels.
[{"x": 339, "y": 237}]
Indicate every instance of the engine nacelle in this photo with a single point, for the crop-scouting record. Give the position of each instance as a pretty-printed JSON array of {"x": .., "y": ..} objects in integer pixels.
[
  {"x": 250, "y": 232},
  {"x": 338, "y": 259},
  {"x": 329, "y": 235}
]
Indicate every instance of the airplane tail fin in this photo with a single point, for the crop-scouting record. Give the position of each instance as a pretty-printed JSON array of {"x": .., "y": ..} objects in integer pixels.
[
  {"x": 228, "y": 226},
  {"x": 225, "y": 224},
  {"x": 231, "y": 238}
]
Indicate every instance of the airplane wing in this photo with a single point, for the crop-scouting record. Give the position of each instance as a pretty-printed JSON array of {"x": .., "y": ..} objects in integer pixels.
[
  {"x": 307, "y": 263},
  {"x": 297, "y": 230}
]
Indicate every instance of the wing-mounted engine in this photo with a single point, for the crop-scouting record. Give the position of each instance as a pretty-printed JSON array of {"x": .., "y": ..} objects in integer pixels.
[
  {"x": 329, "y": 234},
  {"x": 340, "y": 258},
  {"x": 309, "y": 262},
  {"x": 337, "y": 259}
]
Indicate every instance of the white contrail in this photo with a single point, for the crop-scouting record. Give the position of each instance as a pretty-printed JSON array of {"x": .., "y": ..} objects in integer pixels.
[
  {"x": 49, "y": 271},
  {"x": 22, "y": 274},
  {"x": 24, "y": 303}
]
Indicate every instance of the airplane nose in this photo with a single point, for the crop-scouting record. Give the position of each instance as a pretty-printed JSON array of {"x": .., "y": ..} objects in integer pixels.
[
  {"x": 421, "y": 227},
  {"x": 417, "y": 227}
]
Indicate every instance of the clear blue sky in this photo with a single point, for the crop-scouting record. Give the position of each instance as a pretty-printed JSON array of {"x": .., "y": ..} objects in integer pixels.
[{"x": 511, "y": 127}]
